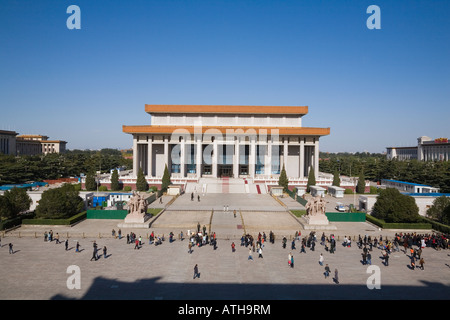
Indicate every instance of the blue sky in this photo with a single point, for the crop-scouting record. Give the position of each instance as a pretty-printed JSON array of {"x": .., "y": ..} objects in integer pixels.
[{"x": 373, "y": 88}]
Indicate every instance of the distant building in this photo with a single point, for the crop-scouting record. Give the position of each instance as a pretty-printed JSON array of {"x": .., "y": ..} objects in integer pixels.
[
  {"x": 32, "y": 144},
  {"x": 408, "y": 187},
  {"x": 8, "y": 142},
  {"x": 427, "y": 149}
]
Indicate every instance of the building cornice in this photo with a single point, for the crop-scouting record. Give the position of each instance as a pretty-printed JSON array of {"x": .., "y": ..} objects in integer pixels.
[{"x": 220, "y": 109}]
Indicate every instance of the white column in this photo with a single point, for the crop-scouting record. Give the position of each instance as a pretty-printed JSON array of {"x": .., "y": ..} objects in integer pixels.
[
  {"x": 166, "y": 152},
  {"x": 135, "y": 156},
  {"x": 316, "y": 158},
  {"x": 285, "y": 153},
  {"x": 183, "y": 157},
  {"x": 215, "y": 158},
  {"x": 252, "y": 157},
  {"x": 199, "y": 158},
  {"x": 268, "y": 159},
  {"x": 149, "y": 158},
  {"x": 302, "y": 158},
  {"x": 236, "y": 158}
]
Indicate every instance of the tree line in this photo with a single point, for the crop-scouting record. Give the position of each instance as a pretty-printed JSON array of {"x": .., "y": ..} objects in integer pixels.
[{"x": 52, "y": 166}]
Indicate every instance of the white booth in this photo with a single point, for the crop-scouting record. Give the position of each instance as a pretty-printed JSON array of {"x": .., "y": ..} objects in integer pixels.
[
  {"x": 317, "y": 191},
  {"x": 336, "y": 192}
]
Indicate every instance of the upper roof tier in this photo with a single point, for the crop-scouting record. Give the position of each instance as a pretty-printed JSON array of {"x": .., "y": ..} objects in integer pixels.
[{"x": 218, "y": 109}]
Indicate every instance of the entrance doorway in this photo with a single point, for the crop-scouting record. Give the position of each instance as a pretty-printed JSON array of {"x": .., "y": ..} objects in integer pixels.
[{"x": 225, "y": 170}]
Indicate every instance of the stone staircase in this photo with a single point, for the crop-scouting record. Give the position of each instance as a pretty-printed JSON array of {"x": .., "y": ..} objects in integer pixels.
[{"x": 225, "y": 185}]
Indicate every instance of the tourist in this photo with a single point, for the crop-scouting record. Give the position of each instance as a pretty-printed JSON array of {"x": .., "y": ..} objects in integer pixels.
[
  {"x": 321, "y": 259},
  {"x": 289, "y": 259},
  {"x": 104, "y": 252},
  {"x": 77, "y": 247},
  {"x": 260, "y": 253},
  {"x": 336, "y": 278},
  {"x": 120, "y": 234},
  {"x": 292, "y": 261},
  {"x": 369, "y": 258},
  {"x": 421, "y": 262},
  {"x": 94, "y": 254},
  {"x": 233, "y": 247},
  {"x": 190, "y": 247},
  {"x": 327, "y": 271},
  {"x": 250, "y": 254},
  {"x": 66, "y": 243},
  {"x": 11, "y": 251},
  {"x": 196, "y": 273}
]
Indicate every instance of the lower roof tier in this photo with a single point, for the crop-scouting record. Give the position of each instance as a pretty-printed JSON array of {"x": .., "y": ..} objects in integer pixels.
[{"x": 304, "y": 131}]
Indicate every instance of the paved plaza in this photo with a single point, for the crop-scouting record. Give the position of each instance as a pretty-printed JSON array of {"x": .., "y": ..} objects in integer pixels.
[{"x": 40, "y": 270}]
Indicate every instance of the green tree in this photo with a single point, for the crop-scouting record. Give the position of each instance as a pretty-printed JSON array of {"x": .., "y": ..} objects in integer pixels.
[
  {"x": 59, "y": 203},
  {"x": 361, "y": 186},
  {"x": 90, "y": 183},
  {"x": 283, "y": 180},
  {"x": 141, "y": 183},
  {"x": 115, "y": 185},
  {"x": 311, "y": 179},
  {"x": 392, "y": 206},
  {"x": 13, "y": 202},
  {"x": 440, "y": 210},
  {"x": 336, "y": 179},
  {"x": 165, "y": 179}
]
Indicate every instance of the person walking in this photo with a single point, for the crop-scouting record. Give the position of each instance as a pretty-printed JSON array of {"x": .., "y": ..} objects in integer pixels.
[
  {"x": 66, "y": 244},
  {"x": 321, "y": 259},
  {"x": 94, "y": 254},
  {"x": 260, "y": 252},
  {"x": 289, "y": 259},
  {"x": 336, "y": 276},
  {"x": 369, "y": 258},
  {"x": 421, "y": 262},
  {"x": 77, "y": 247},
  {"x": 11, "y": 251},
  {"x": 196, "y": 274},
  {"x": 190, "y": 247},
  {"x": 104, "y": 252},
  {"x": 233, "y": 247},
  {"x": 292, "y": 261},
  {"x": 327, "y": 271},
  {"x": 250, "y": 254}
]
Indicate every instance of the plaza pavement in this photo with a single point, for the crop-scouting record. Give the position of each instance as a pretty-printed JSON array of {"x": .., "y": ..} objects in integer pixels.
[{"x": 39, "y": 269}]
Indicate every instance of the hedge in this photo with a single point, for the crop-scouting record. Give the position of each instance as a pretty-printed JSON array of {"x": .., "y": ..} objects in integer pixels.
[
  {"x": 11, "y": 223},
  {"x": 437, "y": 225},
  {"x": 392, "y": 225},
  {"x": 69, "y": 221}
]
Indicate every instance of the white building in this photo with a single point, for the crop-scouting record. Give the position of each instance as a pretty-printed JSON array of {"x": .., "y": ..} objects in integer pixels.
[
  {"x": 427, "y": 149},
  {"x": 408, "y": 187},
  {"x": 423, "y": 201},
  {"x": 225, "y": 141}
]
